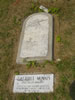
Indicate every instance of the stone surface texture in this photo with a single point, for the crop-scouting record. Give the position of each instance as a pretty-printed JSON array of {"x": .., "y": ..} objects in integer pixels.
[
  {"x": 40, "y": 83},
  {"x": 36, "y": 38}
]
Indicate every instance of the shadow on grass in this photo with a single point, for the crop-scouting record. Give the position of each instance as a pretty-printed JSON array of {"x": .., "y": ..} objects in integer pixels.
[{"x": 72, "y": 90}]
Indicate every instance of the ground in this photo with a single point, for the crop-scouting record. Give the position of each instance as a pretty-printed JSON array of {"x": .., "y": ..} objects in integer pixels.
[{"x": 12, "y": 15}]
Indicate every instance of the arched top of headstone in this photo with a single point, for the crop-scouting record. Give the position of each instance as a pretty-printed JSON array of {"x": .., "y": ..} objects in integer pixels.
[
  {"x": 38, "y": 17},
  {"x": 36, "y": 37}
]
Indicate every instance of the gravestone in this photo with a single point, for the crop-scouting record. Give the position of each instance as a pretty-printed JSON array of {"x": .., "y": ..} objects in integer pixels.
[
  {"x": 40, "y": 83},
  {"x": 36, "y": 41}
]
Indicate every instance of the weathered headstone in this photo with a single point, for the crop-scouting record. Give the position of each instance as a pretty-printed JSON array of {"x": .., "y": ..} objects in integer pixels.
[
  {"x": 40, "y": 83},
  {"x": 36, "y": 41}
]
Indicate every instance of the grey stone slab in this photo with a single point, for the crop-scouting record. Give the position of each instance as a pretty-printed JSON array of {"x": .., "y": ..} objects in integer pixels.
[
  {"x": 36, "y": 41},
  {"x": 40, "y": 83}
]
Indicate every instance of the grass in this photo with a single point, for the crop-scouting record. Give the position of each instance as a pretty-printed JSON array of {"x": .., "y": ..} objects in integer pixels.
[
  {"x": 43, "y": 97},
  {"x": 36, "y": 64},
  {"x": 32, "y": 64},
  {"x": 58, "y": 39},
  {"x": 64, "y": 79},
  {"x": 54, "y": 10},
  {"x": 17, "y": 73},
  {"x": 21, "y": 97},
  {"x": 35, "y": 8},
  {"x": 62, "y": 65},
  {"x": 16, "y": 21},
  {"x": 4, "y": 35},
  {"x": 11, "y": 18}
]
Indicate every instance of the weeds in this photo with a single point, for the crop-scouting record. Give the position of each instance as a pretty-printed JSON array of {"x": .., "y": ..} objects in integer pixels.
[
  {"x": 36, "y": 64},
  {"x": 33, "y": 5},
  {"x": 54, "y": 10},
  {"x": 29, "y": 64},
  {"x": 55, "y": 98},
  {"x": 32, "y": 64},
  {"x": 17, "y": 73},
  {"x": 16, "y": 21},
  {"x": 35, "y": 8},
  {"x": 49, "y": 62},
  {"x": 58, "y": 38}
]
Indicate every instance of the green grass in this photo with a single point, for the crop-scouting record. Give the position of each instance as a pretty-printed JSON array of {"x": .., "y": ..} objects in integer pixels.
[
  {"x": 43, "y": 97},
  {"x": 4, "y": 35},
  {"x": 54, "y": 10},
  {"x": 32, "y": 64},
  {"x": 64, "y": 79},
  {"x": 35, "y": 8},
  {"x": 66, "y": 64},
  {"x": 16, "y": 21},
  {"x": 58, "y": 39},
  {"x": 36, "y": 64},
  {"x": 17, "y": 73},
  {"x": 21, "y": 97}
]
